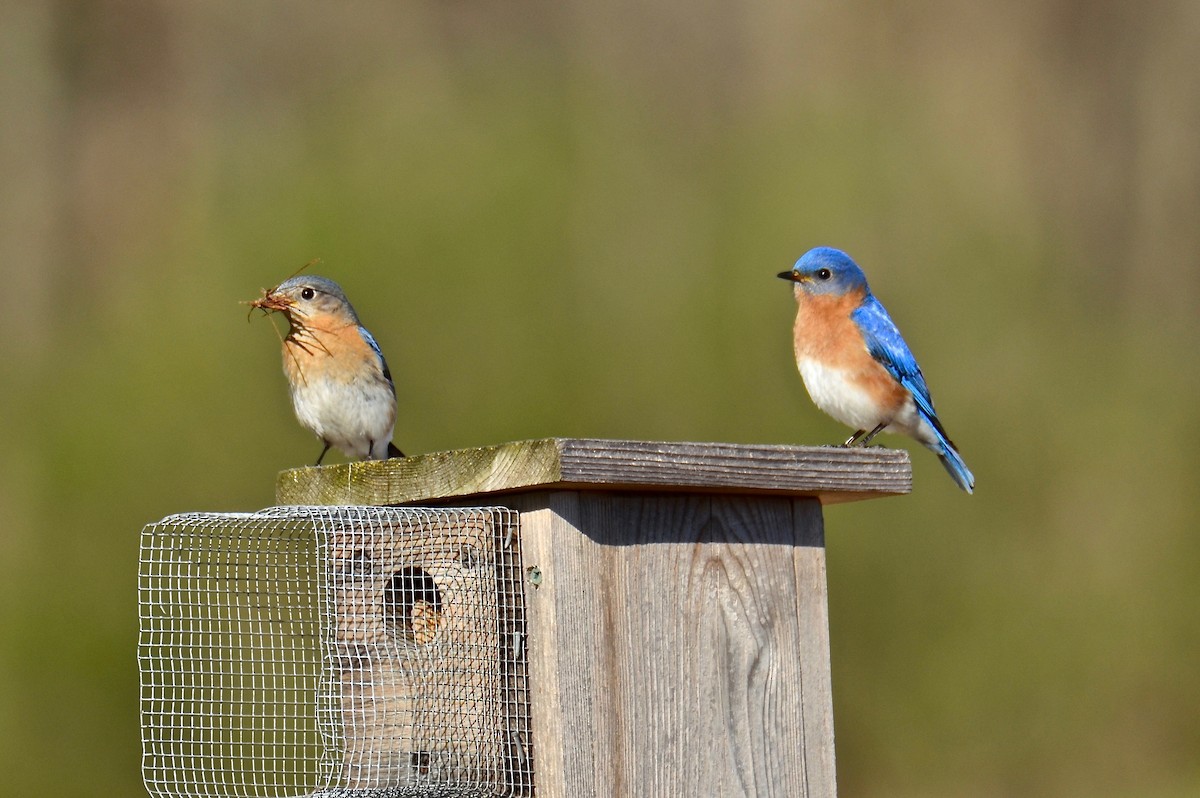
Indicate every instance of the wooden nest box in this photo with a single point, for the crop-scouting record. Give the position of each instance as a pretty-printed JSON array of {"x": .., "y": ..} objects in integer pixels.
[{"x": 628, "y": 619}]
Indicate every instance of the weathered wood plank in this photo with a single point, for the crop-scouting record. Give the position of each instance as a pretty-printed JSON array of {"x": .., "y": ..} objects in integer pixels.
[
  {"x": 830, "y": 474},
  {"x": 673, "y": 646},
  {"x": 812, "y": 615}
]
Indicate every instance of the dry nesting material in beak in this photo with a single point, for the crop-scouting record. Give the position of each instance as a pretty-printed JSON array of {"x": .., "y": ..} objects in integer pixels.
[{"x": 271, "y": 301}]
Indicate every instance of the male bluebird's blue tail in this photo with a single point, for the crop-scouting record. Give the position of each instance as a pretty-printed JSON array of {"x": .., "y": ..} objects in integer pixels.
[
  {"x": 955, "y": 466},
  {"x": 941, "y": 445}
]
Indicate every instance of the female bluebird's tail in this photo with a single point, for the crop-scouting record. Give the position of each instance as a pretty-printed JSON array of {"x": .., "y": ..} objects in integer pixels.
[{"x": 954, "y": 464}]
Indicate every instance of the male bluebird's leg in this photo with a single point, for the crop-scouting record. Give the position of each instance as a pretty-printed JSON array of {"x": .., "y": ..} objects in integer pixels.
[
  {"x": 878, "y": 429},
  {"x": 850, "y": 441},
  {"x": 323, "y": 451}
]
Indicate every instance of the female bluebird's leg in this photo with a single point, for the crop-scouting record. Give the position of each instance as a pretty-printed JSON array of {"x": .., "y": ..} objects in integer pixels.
[{"x": 323, "y": 451}]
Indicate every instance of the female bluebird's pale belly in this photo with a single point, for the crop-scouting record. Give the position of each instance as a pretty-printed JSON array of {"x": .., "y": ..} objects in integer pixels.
[{"x": 357, "y": 418}]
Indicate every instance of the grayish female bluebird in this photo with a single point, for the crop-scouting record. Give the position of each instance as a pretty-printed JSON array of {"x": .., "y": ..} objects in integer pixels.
[{"x": 340, "y": 384}]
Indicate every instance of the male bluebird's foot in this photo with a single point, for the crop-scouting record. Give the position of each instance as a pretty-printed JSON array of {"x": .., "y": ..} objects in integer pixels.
[
  {"x": 323, "y": 451},
  {"x": 850, "y": 441}
]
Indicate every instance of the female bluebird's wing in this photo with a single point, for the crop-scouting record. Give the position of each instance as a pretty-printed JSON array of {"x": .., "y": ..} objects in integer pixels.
[
  {"x": 370, "y": 339},
  {"x": 887, "y": 346},
  {"x": 392, "y": 450}
]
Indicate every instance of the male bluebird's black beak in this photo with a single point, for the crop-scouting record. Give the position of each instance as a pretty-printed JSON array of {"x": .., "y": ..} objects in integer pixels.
[{"x": 789, "y": 275}]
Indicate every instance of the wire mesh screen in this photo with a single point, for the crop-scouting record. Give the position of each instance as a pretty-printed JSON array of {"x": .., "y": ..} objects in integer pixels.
[{"x": 330, "y": 651}]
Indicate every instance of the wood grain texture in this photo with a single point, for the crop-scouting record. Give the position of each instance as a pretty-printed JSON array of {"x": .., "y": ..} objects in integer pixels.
[
  {"x": 678, "y": 645},
  {"x": 830, "y": 474}
]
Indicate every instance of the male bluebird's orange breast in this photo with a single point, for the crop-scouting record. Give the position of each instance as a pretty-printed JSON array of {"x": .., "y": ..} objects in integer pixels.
[{"x": 826, "y": 334}]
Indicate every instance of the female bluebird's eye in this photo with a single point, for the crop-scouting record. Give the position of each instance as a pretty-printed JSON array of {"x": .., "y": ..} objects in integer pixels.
[
  {"x": 307, "y": 293},
  {"x": 824, "y": 274}
]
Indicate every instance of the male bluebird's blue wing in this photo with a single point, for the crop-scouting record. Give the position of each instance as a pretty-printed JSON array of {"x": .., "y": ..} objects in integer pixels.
[
  {"x": 887, "y": 346},
  {"x": 370, "y": 339}
]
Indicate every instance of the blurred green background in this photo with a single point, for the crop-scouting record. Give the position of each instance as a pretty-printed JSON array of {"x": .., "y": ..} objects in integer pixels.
[{"x": 565, "y": 218}]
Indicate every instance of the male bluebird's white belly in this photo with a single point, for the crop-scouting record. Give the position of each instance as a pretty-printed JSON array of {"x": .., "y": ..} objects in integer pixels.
[
  {"x": 846, "y": 397},
  {"x": 357, "y": 417}
]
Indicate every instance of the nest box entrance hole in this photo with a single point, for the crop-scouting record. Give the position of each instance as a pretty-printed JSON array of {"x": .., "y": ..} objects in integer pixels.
[{"x": 412, "y": 605}]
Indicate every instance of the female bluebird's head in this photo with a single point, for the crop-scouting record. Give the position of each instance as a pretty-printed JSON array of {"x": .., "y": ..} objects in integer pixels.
[
  {"x": 826, "y": 270},
  {"x": 304, "y": 298}
]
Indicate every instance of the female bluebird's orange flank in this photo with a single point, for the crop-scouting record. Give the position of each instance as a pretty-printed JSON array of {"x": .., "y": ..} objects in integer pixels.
[
  {"x": 341, "y": 387},
  {"x": 855, "y": 363}
]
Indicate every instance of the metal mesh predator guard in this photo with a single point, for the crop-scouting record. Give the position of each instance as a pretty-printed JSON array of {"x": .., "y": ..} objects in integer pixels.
[{"x": 334, "y": 651}]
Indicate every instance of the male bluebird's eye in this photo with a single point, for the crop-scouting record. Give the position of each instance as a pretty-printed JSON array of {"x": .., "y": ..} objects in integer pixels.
[
  {"x": 824, "y": 274},
  {"x": 307, "y": 293}
]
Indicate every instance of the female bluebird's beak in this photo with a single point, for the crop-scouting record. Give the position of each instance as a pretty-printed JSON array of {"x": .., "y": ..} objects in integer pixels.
[
  {"x": 271, "y": 301},
  {"x": 793, "y": 276}
]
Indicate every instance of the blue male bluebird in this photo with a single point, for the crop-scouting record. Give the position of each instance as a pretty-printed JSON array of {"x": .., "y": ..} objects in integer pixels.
[
  {"x": 855, "y": 363},
  {"x": 341, "y": 387}
]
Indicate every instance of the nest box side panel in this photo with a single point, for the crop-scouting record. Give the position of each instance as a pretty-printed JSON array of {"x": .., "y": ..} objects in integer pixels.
[{"x": 678, "y": 644}]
